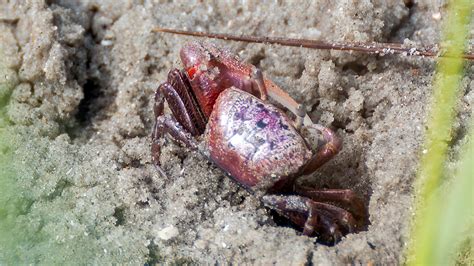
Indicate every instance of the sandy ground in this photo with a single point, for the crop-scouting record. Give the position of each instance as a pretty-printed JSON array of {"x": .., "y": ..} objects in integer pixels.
[{"x": 80, "y": 80}]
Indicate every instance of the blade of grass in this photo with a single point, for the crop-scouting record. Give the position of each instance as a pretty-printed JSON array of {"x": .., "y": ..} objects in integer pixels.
[
  {"x": 432, "y": 223},
  {"x": 456, "y": 221}
]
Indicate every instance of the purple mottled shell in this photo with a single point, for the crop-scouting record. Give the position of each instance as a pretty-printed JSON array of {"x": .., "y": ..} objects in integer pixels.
[{"x": 253, "y": 141}]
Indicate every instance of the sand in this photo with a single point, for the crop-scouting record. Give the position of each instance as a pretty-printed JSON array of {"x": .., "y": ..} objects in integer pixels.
[{"x": 80, "y": 79}]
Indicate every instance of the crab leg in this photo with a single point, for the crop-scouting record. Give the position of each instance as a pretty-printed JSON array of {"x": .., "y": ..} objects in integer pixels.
[
  {"x": 331, "y": 145},
  {"x": 283, "y": 98},
  {"x": 268, "y": 88},
  {"x": 300, "y": 115},
  {"x": 313, "y": 216},
  {"x": 257, "y": 77},
  {"x": 342, "y": 197},
  {"x": 167, "y": 124},
  {"x": 182, "y": 103},
  {"x": 177, "y": 94}
]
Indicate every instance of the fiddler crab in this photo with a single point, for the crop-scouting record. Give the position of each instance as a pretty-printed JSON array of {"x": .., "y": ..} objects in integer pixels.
[{"x": 222, "y": 107}]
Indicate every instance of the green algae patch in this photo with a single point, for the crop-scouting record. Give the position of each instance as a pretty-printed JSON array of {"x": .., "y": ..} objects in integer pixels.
[
  {"x": 18, "y": 233},
  {"x": 14, "y": 205},
  {"x": 51, "y": 212}
]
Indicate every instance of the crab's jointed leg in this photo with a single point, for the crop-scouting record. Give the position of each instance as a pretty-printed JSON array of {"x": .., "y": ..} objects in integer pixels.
[
  {"x": 259, "y": 82},
  {"x": 345, "y": 198},
  {"x": 329, "y": 145},
  {"x": 283, "y": 98},
  {"x": 331, "y": 222},
  {"x": 189, "y": 121},
  {"x": 180, "y": 98}
]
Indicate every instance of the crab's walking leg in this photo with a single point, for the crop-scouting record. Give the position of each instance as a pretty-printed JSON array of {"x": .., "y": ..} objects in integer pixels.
[
  {"x": 167, "y": 124},
  {"x": 257, "y": 78},
  {"x": 159, "y": 103},
  {"x": 330, "y": 144},
  {"x": 155, "y": 135},
  {"x": 178, "y": 94},
  {"x": 280, "y": 96},
  {"x": 313, "y": 216},
  {"x": 345, "y": 198},
  {"x": 189, "y": 121},
  {"x": 283, "y": 98},
  {"x": 300, "y": 114}
]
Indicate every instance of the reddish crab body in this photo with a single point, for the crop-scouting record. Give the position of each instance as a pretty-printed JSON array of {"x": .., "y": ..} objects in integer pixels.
[
  {"x": 222, "y": 107},
  {"x": 254, "y": 141}
]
